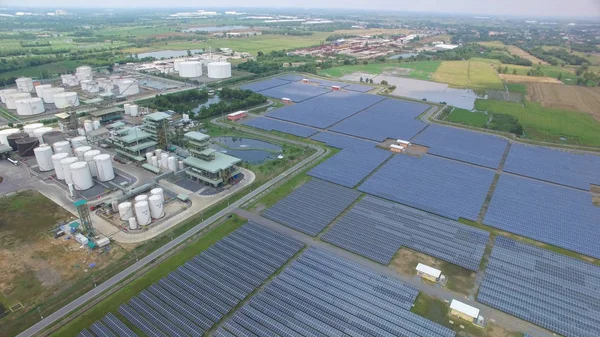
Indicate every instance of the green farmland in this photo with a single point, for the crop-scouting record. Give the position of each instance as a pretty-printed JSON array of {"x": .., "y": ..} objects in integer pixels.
[
  {"x": 421, "y": 70},
  {"x": 466, "y": 117}
]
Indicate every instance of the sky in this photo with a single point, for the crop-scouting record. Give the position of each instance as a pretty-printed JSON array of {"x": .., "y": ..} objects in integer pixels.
[{"x": 583, "y": 8}]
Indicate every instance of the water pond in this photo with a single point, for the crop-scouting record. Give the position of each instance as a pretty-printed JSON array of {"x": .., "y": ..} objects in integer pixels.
[{"x": 249, "y": 150}]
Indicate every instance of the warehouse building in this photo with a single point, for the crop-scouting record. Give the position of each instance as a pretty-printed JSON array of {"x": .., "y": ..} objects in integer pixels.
[{"x": 207, "y": 165}]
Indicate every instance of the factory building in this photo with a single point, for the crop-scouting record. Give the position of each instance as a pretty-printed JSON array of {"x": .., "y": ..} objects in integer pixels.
[
  {"x": 106, "y": 116},
  {"x": 207, "y": 165},
  {"x": 133, "y": 143},
  {"x": 157, "y": 125}
]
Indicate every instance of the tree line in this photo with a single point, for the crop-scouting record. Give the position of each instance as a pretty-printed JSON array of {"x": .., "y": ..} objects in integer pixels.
[{"x": 231, "y": 100}]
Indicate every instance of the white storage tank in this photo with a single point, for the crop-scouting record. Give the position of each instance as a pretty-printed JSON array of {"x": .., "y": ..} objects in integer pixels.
[
  {"x": 83, "y": 73},
  {"x": 172, "y": 163},
  {"x": 5, "y": 133},
  {"x": 30, "y": 106},
  {"x": 126, "y": 107},
  {"x": 81, "y": 176},
  {"x": 24, "y": 84},
  {"x": 93, "y": 86},
  {"x": 133, "y": 110},
  {"x": 154, "y": 161},
  {"x": 39, "y": 132},
  {"x": 69, "y": 80},
  {"x": 129, "y": 87},
  {"x": 39, "y": 89},
  {"x": 58, "y": 170},
  {"x": 62, "y": 147},
  {"x": 176, "y": 64},
  {"x": 125, "y": 211},
  {"x": 141, "y": 197},
  {"x": 79, "y": 141},
  {"x": 88, "y": 157},
  {"x": 190, "y": 69},
  {"x": 96, "y": 124},
  {"x": 156, "y": 206},
  {"x": 158, "y": 191},
  {"x": 105, "y": 84},
  {"x": 65, "y": 164},
  {"x": 219, "y": 70},
  {"x": 66, "y": 99},
  {"x": 132, "y": 223},
  {"x": 149, "y": 157},
  {"x": 43, "y": 156},
  {"x": 181, "y": 166},
  {"x": 12, "y": 98},
  {"x": 104, "y": 167},
  {"x": 48, "y": 94},
  {"x": 80, "y": 151},
  {"x": 158, "y": 152},
  {"x": 29, "y": 128},
  {"x": 142, "y": 213},
  {"x": 6, "y": 92},
  {"x": 84, "y": 84},
  {"x": 164, "y": 157},
  {"x": 88, "y": 126}
]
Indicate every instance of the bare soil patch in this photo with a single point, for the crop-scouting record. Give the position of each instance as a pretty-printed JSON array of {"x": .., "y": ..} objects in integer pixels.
[
  {"x": 568, "y": 97},
  {"x": 523, "y": 54},
  {"x": 528, "y": 79}
]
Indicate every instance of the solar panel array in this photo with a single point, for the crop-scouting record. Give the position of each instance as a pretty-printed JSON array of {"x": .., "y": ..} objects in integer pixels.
[
  {"x": 296, "y": 91},
  {"x": 341, "y": 141},
  {"x": 350, "y": 166},
  {"x": 376, "y": 229},
  {"x": 275, "y": 125},
  {"x": 358, "y": 88},
  {"x": 390, "y": 118},
  {"x": 327, "y": 83},
  {"x": 291, "y": 78},
  {"x": 553, "y": 214},
  {"x": 263, "y": 85},
  {"x": 321, "y": 295},
  {"x": 311, "y": 207},
  {"x": 191, "y": 299},
  {"x": 109, "y": 326},
  {"x": 549, "y": 289},
  {"x": 561, "y": 167},
  {"x": 469, "y": 146},
  {"x": 326, "y": 110},
  {"x": 436, "y": 185}
]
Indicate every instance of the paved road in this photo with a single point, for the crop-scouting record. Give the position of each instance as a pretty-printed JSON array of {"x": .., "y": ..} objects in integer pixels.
[{"x": 62, "y": 312}]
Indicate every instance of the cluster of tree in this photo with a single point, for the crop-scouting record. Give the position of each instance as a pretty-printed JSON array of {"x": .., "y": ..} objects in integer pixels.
[
  {"x": 475, "y": 50},
  {"x": 257, "y": 67},
  {"x": 292, "y": 32},
  {"x": 557, "y": 56},
  {"x": 231, "y": 100},
  {"x": 505, "y": 123},
  {"x": 335, "y": 37},
  {"x": 369, "y": 80},
  {"x": 34, "y": 44},
  {"x": 584, "y": 47},
  {"x": 183, "y": 101},
  {"x": 538, "y": 72},
  {"x": 586, "y": 77}
]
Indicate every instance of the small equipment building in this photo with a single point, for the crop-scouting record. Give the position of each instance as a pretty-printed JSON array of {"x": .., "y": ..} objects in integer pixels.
[
  {"x": 464, "y": 311},
  {"x": 428, "y": 273},
  {"x": 237, "y": 115},
  {"x": 207, "y": 165},
  {"x": 107, "y": 115}
]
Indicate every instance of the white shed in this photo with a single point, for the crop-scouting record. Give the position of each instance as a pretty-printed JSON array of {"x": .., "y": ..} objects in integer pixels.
[
  {"x": 423, "y": 269},
  {"x": 464, "y": 310}
]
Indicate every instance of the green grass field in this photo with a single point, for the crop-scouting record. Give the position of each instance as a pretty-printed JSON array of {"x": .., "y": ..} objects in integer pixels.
[
  {"x": 482, "y": 75},
  {"x": 454, "y": 73},
  {"x": 51, "y": 68},
  {"x": 468, "y": 74},
  {"x": 421, "y": 70},
  {"x": 548, "y": 124},
  {"x": 466, "y": 117},
  {"x": 517, "y": 88}
]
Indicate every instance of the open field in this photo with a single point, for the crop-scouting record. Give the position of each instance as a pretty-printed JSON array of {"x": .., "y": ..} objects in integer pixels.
[
  {"x": 50, "y": 68},
  {"x": 421, "y": 70},
  {"x": 576, "y": 98},
  {"x": 466, "y": 117},
  {"x": 482, "y": 75},
  {"x": 567, "y": 73},
  {"x": 445, "y": 38},
  {"x": 528, "y": 79},
  {"x": 517, "y": 88},
  {"x": 455, "y": 73},
  {"x": 471, "y": 74},
  {"x": 372, "y": 31},
  {"x": 548, "y": 124},
  {"x": 523, "y": 54},
  {"x": 493, "y": 44}
]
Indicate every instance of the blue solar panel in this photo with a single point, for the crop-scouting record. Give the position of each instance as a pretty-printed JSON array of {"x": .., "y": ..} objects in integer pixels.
[
  {"x": 390, "y": 118},
  {"x": 341, "y": 141},
  {"x": 327, "y": 83},
  {"x": 350, "y": 166},
  {"x": 275, "y": 125},
  {"x": 296, "y": 91},
  {"x": 291, "y": 78},
  {"x": 358, "y": 88},
  {"x": 472, "y": 147},
  {"x": 561, "y": 167},
  {"x": 326, "y": 110},
  {"x": 557, "y": 215},
  {"x": 437, "y": 185},
  {"x": 263, "y": 85}
]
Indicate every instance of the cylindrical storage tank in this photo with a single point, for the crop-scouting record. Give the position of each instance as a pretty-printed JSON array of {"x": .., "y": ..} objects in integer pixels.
[
  {"x": 78, "y": 141},
  {"x": 39, "y": 132},
  {"x": 104, "y": 167},
  {"x": 25, "y": 146},
  {"x": 142, "y": 213},
  {"x": 181, "y": 166},
  {"x": 114, "y": 205},
  {"x": 129, "y": 87},
  {"x": 80, "y": 151},
  {"x": 81, "y": 176},
  {"x": 29, "y": 106},
  {"x": 48, "y": 94},
  {"x": 11, "y": 140},
  {"x": 154, "y": 161},
  {"x": 158, "y": 152},
  {"x": 176, "y": 64},
  {"x": 70, "y": 80},
  {"x": 158, "y": 191},
  {"x": 24, "y": 84},
  {"x": 6, "y": 92},
  {"x": 133, "y": 110},
  {"x": 132, "y": 223},
  {"x": 96, "y": 124},
  {"x": 12, "y": 98},
  {"x": 52, "y": 137},
  {"x": 84, "y": 84},
  {"x": 66, "y": 168},
  {"x": 83, "y": 70},
  {"x": 39, "y": 89},
  {"x": 141, "y": 197},
  {"x": 190, "y": 69},
  {"x": 125, "y": 211},
  {"x": 88, "y": 126},
  {"x": 58, "y": 170},
  {"x": 81, "y": 131},
  {"x": 163, "y": 160},
  {"x": 156, "y": 206},
  {"x": 219, "y": 70},
  {"x": 29, "y": 128},
  {"x": 172, "y": 164},
  {"x": 62, "y": 147},
  {"x": 126, "y": 107},
  {"x": 5, "y": 133},
  {"x": 149, "y": 157},
  {"x": 43, "y": 156},
  {"x": 88, "y": 157},
  {"x": 66, "y": 99}
]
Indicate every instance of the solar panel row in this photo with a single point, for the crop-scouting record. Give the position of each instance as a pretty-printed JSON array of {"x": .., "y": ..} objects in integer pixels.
[
  {"x": 295, "y": 91},
  {"x": 341, "y": 141},
  {"x": 312, "y": 207},
  {"x": 549, "y": 289},
  {"x": 358, "y": 88},
  {"x": 350, "y": 166},
  {"x": 263, "y": 85},
  {"x": 376, "y": 229},
  {"x": 109, "y": 326},
  {"x": 557, "y": 215},
  {"x": 321, "y": 294},
  {"x": 436, "y": 185},
  {"x": 275, "y": 125}
]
